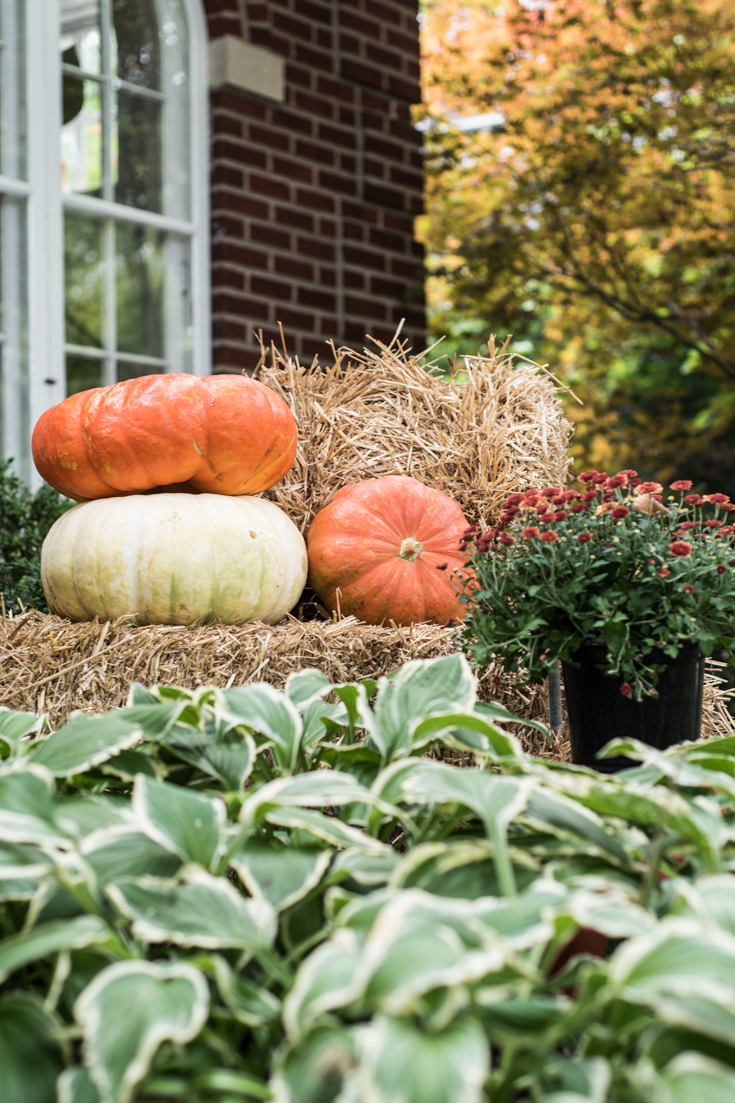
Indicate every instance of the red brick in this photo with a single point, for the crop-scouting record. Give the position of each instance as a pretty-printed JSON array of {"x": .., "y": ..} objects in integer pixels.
[
  {"x": 409, "y": 270},
  {"x": 288, "y": 217},
  {"x": 274, "y": 139},
  {"x": 225, "y": 124},
  {"x": 225, "y": 174},
  {"x": 236, "y": 151},
  {"x": 387, "y": 58},
  {"x": 399, "y": 222},
  {"x": 315, "y": 153},
  {"x": 297, "y": 28},
  {"x": 344, "y": 184},
  {"x": 345, "y": 138},
  {"x": 315, "y": 106},
  {"x": 295, "y": 319},
  {"x": 231, "y": 361},
  {"x": 218, "y": 27},
  {"x": 316, "y": 59},
  {"x": 227, "y": 227},
  {"x": 348, "y": 164},
  {"x": 226, "y": 303},
  {"x": 289, "y": 121},
  {"x": 318, "y": 12},
  {"x": 390, "y": 289},
  {"x": 313, "y": 247},
  {"x": 268, "y": 235},
  {"x": 353, "y": 279},
  {"x": 251, "y": 207},
  {"x": 296, "y": 75},
  {"x": 293, "y": 170},
  {"x": 226, "y": 330},
  {"x": 273, "y": 289},
  {"x": 232, "y": 253},
  {"x": 368, "y": 308},
  {"x": 373, "y": 168},
  {"x": 348, "y": 44},
  {"x": 356, "y": 23},
  {"x": 314, "y": 200},
  {"x": 390, "y": 150},
  {"x": 407, "y": 179},
  {"x": 328, "y": 277},
  {"x": 324, "y": 39},
  {"x": 335, "y": 89},
  {"x": 231, "y": 201},
  {"x": 386, "y": 197},
  {"x": 384, "y": 12},
  {"x": 354, "y": 230},
  {"x": 289, "y": 266},
  {"x": 395, "y": 242},
  {"x": 267, "y": 185},
  {"x": 313, "y": 347},
  {"x": 362, "y": 214},
  {"x": 362, "y": 74},
  {"x": 327, "y": 228},
  {"x": 237, "y": 102},
  {"x": 322, "y": 300},
  {"x": 406, "y": 43},
  {"x": 364, "y": 258}
]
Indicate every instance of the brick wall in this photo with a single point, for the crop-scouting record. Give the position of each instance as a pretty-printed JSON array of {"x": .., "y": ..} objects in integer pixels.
[{"x": 313, "y": 200}]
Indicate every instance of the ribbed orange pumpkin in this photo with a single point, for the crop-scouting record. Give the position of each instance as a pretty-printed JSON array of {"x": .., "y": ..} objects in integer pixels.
[
  {"x": 225, "y": 434},
  {"x": 380, "y": 543}
]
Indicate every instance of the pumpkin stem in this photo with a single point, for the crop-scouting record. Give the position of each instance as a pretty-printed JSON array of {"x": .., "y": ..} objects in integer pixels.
[{"x": 411, "y": 549}]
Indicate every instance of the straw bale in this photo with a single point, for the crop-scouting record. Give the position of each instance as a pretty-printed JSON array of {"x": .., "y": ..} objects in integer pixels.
[
  {"x": 381, "y": 413},
  {"x": 51, "y": 665}
]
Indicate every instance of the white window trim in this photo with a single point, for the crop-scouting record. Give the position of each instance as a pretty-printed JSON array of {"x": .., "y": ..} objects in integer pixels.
[{"x": 46, "y": 205}]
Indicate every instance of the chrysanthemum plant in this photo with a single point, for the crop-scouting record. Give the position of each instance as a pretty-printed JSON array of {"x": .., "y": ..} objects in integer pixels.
[{"x": 616, "y": 562}]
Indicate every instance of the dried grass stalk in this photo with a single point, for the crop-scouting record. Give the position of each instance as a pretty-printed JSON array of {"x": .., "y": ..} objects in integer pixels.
[
  {"x": 381, "y": 413},
  {"x": 51, "y": 665}
]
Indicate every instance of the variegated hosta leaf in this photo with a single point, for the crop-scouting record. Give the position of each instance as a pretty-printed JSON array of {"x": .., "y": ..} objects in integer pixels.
[
  {"x": 694, "y": 1078},
  {"x": 304, "y": 686},
  {"x": 121, "y": 851},
  {"x": 30, "y": 1054},
  {"x": 75, "y": 1085},
  {"x": 14, "y": 726},
  {"x": 320, "y": 789},
  {"x": 224, "y": 754},
  {"x": 127, "y": 1011},
  {"x": 571, "y": 1080},
  {"x": 315, "y": 1070},
  {"x": 281, "y": 876},
  {"x": 265, "y": 710},
  {"x": 327, "y": 828},
  {"x": 416, "y": 691},
  {"x": 400, "y": 1063},
  {"x": 189, "y": 824},
  {"x": 195, "y": 910},
  {"x": 252, "y": 1005},
  {"x": 84, "y": 742},
  {"x": 325, "y": 982},
  {"x": 51, "y": 938},
  {"x": 27, "y": 813}
]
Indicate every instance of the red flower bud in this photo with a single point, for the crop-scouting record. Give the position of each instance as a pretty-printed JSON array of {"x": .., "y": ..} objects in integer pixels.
[
  {"x": 681, "y": 484},
  {"x": 584, "y": 537},
  {"x": 626, "y": 689}
]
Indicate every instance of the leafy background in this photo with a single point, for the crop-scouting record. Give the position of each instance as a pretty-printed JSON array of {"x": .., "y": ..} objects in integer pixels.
[{"x": 252, "y": 894}]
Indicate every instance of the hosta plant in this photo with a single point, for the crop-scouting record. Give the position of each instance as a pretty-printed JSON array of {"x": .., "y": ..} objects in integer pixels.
[
  {"x": 248, "y": 894},
  {"x": 615, "y": 562}
]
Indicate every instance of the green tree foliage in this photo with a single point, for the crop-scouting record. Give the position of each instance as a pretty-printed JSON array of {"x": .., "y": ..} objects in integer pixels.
[
  {"x": 25, "y": 518},
  {"x": 596, "y": 223}
]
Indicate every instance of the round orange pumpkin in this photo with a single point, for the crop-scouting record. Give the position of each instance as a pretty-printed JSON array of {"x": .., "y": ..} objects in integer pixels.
[
  {"x": 375, "y": 550},
  {"x": 225, "y": 434}
]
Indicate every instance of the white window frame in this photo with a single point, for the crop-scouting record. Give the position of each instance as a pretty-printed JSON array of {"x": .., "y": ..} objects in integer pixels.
[{"x": 46, "y": 204}]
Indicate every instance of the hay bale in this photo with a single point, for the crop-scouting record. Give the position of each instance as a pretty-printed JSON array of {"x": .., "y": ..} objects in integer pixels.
[
  {"x": 381, "y": 413},
  {"x": 51, "y": 665}
]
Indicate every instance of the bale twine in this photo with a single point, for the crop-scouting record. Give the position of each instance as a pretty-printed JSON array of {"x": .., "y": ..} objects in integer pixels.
[
  {"x": 50, "y": 665},
  {"x": 381, "y": 413}
]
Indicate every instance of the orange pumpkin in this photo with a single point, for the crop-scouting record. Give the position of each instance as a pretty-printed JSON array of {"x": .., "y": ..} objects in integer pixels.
[
  {"x": 225, "y": 434},
  {"x": 375, "y": 551}
]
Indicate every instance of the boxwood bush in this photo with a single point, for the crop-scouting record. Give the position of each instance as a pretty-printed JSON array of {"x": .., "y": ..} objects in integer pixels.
[
  {"x": 249, "y": 894},
  {"x": 25, "y": 518}
]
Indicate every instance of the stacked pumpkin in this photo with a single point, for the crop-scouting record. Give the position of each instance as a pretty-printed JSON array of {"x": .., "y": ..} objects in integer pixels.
[{"x": 168, "y": 531}]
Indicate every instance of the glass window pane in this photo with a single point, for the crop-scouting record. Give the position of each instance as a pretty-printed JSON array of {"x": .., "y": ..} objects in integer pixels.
[
  {"x": 12, "y": 90},
  {"x": 81, "y": 137},
  {"x": 138, "y": 142},
  {"x": 83, "y": 373},
  {"x": 14, "y": 388},
  {"x": 80, "y": 34},
  {"x": 136, "y": 42},
  {"x": 139, "y": 251},
  {"x": 127, "y": 369},
  {"x": 84, "y": 279}
]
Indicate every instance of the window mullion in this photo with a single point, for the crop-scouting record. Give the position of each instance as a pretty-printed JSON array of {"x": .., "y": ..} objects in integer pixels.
[{"x": 110, "y": 308}]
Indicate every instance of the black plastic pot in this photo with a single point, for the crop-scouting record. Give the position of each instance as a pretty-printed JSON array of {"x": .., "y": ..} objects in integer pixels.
[{"x": 598, "y": 711}]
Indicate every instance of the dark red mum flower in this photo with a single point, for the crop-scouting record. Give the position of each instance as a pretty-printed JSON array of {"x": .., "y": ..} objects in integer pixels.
[
  {"x": 470, "y": 530},
  {"x": 721, "y": 569},
  {"x": 513, "y": 500},
  {"x": 561, "y": 515},
  {"x": 713, "y": 524},
  {"x": 442, "y": 566},
  {"x": 616, "y": 480},
  {"x": 589, "y": 496},
  {"x": 716, "y": 499},
  {"x": 693, "y": 500},
  {"x": 681, "y": 484},
  {"x": 551, "y": 491},
  {"x": 626, "y": 689},
  {"x": 663, "y": 572},
  {"x": 599, "y": 478},
  {"x": 688, "y": 589},
  {"x": 530, "y": 532},
  {"x": 584, "y": 537},
  {"x": 620, "y": 512},
  {"x": 681, "y": 548},
  {"x": 650, "y": 488},
  {"x": 684, "y": 526},
  {"x": 547, "y": 518},
  {"x": 549, "y": 537},
  {"x": 726, "y": 530},
  {"x": 587, "y": 476},
  {"x": 578, "y": 508},
  {"x": 507, "y": 540}
]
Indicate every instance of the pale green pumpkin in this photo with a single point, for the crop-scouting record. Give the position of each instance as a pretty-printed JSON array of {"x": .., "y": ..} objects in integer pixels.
[{"x": 174, "y": 559}]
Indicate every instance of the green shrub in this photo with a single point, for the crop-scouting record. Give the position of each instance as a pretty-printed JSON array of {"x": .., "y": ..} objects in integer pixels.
[
  {"x": 25, "y": 518},
  {"x": 248, "y": 894}
]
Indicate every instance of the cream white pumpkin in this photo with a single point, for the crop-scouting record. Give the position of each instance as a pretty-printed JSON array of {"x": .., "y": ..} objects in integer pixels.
[{"x": 174, "y": 559}]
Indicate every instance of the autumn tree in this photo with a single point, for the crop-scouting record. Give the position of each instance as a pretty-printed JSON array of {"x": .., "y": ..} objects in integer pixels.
[{"x": 595, "y": 220}]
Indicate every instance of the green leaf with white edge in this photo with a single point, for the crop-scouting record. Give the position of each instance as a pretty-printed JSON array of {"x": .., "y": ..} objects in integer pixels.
[
  {"x": 189, "y": 824},
  {"x": 416, "y": 691},
  {"x": 196, "y": 909},
  {"x": 229, "y": 759},
  {"x": 30, "y": 1054},
  {"x": 27, "y": 809},
  {"x": 14, "y": 726},
  {"x": 400, "y": 1063},
  {"x": 75, "y": 1085},
  {"x": 320, "y": 789},
  {"x": 314, "y": 716},
  {"x": 576, "y": 1081},
  {"x": 122, "y": 851},
  {"x": 692, "y": 1076},
  {"x": 155, "y": 718},
  {"x": 265, "y": 710},
  {"x": 325, "y": 981},
  {"x": 467, "y": 731},
  {"x": 253, "y": 1005},
  {"x": 368, "y": 870},
  {"x": 48, "y": 939},
  {"x": 129, "y": 763},
  {"x": 709, "y": 898},
  {"x": 567, "y": 819},
  {"x": 315, "y": 1070},
  {"x": 710, "y": 1016},
  {"x": 304, "y": 686},
  {"x": 280, "y": 876},
  {"x": 23, "y": 860},
  {"x": 355, "y": 696},
  {"x": 80, "y": 816},
  {"x": 326, "y": 828},
  {"x": 127, "y": 1011},
  {"x": 679, "y": 957},
  {"x": 491, "y": 710},
  {"x": 84, "y": 742}
]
